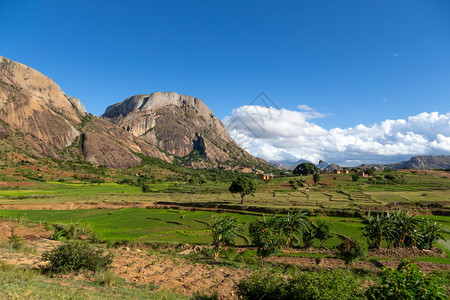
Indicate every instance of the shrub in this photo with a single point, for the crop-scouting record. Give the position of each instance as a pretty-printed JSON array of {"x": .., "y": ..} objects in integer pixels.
[
  {"x": 351, "y": 251},
  {"x": 262, "y": 286},
  {"x": 407, "y": 282},
  {"x": 324, "y": 285},
  {"x": 75, "y": 256},
  {"x": 322, "y": 231},
  {"x": 321, "y": 285},
  {"x": 71, "y": 231},
  {"x": 267, "y": 236},
  {"x": 146, "y": 188},
  {"x": 355, "y": 177}
]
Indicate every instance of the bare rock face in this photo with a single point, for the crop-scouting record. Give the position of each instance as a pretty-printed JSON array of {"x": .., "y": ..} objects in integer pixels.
[
  {"x": 32, "y": 102},
  {"x": 41, "y": 118},
  {"x": 178, "y": 125}
]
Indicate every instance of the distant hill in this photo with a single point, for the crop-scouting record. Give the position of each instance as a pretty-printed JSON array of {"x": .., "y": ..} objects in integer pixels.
[
  {"x": 286, "y": 164},
  {"x": 424, "y": 162}
]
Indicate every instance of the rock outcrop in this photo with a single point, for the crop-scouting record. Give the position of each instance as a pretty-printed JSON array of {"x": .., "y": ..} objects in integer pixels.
[
  {"x": 36, "y": 115},
  {"x": 178, "y": 125},
  {"x": 33, "y": 103}
]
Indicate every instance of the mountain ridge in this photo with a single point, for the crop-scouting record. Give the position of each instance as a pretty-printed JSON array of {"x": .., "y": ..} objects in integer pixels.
[{"x": 37, "y": 117}]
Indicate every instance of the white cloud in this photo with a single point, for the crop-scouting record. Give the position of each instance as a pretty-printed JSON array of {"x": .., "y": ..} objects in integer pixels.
[
  {"x": 281, "y": 134},
  {"x": 305, "y": 107}
]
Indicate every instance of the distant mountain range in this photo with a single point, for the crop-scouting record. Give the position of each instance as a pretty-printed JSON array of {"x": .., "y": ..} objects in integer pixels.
[
  {"x": 420, "y": 162},
  {"x": 416, "y": 162}
]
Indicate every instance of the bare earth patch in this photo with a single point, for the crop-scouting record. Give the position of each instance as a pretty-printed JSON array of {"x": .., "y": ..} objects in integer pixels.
[{"x": 177, "y": 274}]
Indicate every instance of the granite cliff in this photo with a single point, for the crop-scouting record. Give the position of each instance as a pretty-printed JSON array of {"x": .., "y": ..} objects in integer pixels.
[
  {"x": 37, "y": 117},
  {"x": 179, "y": 125}
]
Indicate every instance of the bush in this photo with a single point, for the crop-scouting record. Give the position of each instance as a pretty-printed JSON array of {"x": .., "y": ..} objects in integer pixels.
[
  {"x": 72, "y": 231},
  {"x": 321, "y": 285},
  {"x": 267, "y": 236},
  {"x": 351, "y": 251},
  {"x": 146, "y": 188},
  {"x": 262, "y": 286},
  {"x": 322, "y": 231},
  {"x": 407, "y": 282},
  {"x": 75, "y": 256},
  {"x": 324, "y": 285}
]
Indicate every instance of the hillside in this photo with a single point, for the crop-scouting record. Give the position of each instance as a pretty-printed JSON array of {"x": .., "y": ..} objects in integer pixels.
[
  {"x": 38, "y": 119},
  {"x": 182, "y": 126},
  {"x": 424, "y": 162}
]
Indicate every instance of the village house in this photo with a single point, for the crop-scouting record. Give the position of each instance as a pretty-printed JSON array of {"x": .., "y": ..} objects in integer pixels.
[{"x": 266, "y": 176}]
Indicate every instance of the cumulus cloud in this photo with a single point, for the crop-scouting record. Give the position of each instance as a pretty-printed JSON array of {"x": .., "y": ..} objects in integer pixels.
[{"x": 281, "y": 134}]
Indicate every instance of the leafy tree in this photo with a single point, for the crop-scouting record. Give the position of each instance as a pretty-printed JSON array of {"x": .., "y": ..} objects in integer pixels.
[
  {"x": 316, "y": 178},
  {"x": 267, "y": 236},
  {"x": 322, "y": 231},
  {"x": 407, "y": 282},
  {"x": 224, "y": 231},
  {"x": 355, "y": 177},
  {"x": 293, "y": 223},
  {"x": 244, "y": 186},
  {"x": 305, "y": 169}
]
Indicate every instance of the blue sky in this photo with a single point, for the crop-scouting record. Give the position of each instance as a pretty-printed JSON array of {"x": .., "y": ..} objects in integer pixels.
[{"x": 352, "y": 62}]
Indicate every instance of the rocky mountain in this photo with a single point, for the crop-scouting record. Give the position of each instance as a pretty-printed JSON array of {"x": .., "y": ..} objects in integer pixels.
[
  {"x": 36, "y": 116},
  {"x": 424, "y": 162},
  {"x": 179, "y": 125}
]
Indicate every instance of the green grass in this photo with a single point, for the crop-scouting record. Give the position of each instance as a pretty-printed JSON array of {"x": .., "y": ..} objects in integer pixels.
[
  {"x": 18, "y": 283},
  {"x": 176, "y": 226}
]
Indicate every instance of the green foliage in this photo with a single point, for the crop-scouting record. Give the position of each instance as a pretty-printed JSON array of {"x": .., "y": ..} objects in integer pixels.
[
  {"x": 146, "y": 188},
  {"x": 224, "y": 230},
  {"x": 429, "y": 232},
  {"x": 316, "y": 178},
  {"x": 75, "y": 256},
  {"x": 307, "y": 236},
  {"x": 407, "y": 282},
  {"x": 267, "y": 236},
  {"x": 322, "y": 285},
  {"x": 71, "y": 231},
  {"x": 262, "y": 285},
  {"x": 322, "y": 231},
  {"x": 351, "y": 251},
  {"x": 355, "y": 177},
  {"x": 401, "y": 229},
  {"x": 244, "y": 186},
  {"x": 305, "y": 169},
  {"x": 16, "y": 242},
  {"x": 293, "y": 223}
]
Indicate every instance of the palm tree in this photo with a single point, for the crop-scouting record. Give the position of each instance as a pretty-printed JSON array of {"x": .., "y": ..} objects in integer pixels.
[
  {"x": 293, "y": 223},
  {"x": 224, "y": 231}
]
